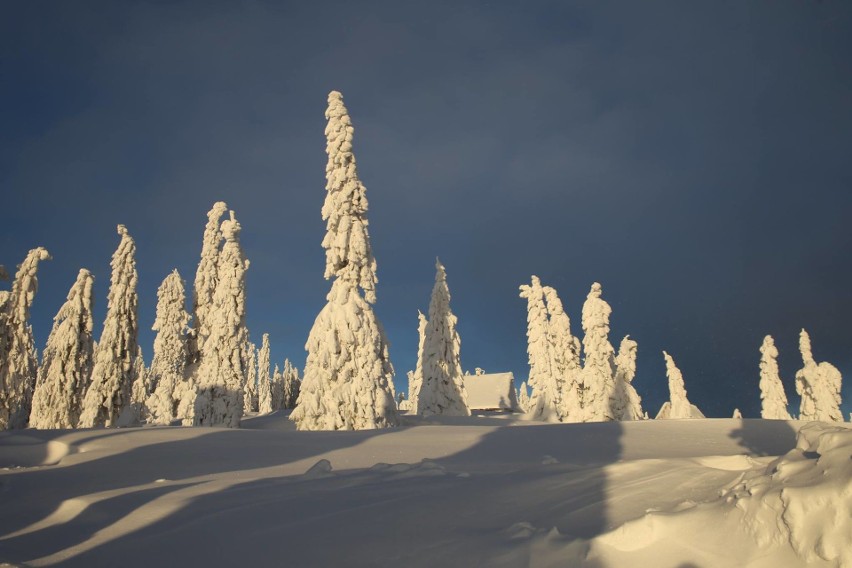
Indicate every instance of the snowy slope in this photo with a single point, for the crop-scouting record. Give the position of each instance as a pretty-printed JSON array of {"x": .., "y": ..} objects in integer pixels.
[{"x": 460, "y": 491}]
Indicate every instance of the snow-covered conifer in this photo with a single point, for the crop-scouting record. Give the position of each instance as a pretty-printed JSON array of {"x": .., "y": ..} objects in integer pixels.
[
  {"x": 599, "y": 358},
  {"x": 222, "y": 368},
  {"x": 442, "y": 390},
  {"x": 206, "y": 278},
  {"x": 142, "y": 387},
  {"x": 772, "y": 397},
  {"x": 277, "y": 388},
  {"x": 290, "y": 374},
  {"x": 678, "y": 406},
  {"x": 737, "y": 414},
  {"x": 171, "y": 351},
  {"x": 543, "y": 380},
  {"x": 250, "y": 386},
  {"x": 819, "y": 386},
  {"x": 524, "y": 398},
  {"x": 627, "y": 404},
  {"x": 264, "y": 388},
  {"x": 18, "y": 360},
  {"x": 115, "y": 358},
  {"x": 348, "y": 381},
  {"x": 415, "y": 377},
  {"x": 565, "y": 355},
  {"x": 66, "y": 363}
]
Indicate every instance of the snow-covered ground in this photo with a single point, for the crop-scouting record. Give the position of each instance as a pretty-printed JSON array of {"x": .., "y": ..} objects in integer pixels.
[{"x": 466, "y": 491}]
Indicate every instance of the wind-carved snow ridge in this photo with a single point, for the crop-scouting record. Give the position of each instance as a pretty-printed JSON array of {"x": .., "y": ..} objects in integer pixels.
[
  {"x": 819, "y": 386},
  {"x": 442, "y": 391},
  {"x": 221, "y": 373},
  {"x": 678, "y": 405},
  {"x": 115, "y": 358},
  {"x": 803, "y": 498},
  {"x": 67, "y": 360},
  {"x": 348, "y": 378},
  {"x": 772, "y": 397}
]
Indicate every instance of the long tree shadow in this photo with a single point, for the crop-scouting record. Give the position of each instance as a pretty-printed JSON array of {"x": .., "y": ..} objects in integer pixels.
[{"x": 766, "y": 437}]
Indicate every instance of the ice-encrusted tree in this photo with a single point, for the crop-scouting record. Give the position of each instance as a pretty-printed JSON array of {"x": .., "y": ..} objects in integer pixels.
[
  {"x": 678, "y": 405},
  {"x": 290, "y": 374},
  {"x": 140, "y": 390},
  {"x": 819, "y": 386},
  {"x": 442, "y": 390},
  {"x": 599, "y": 358},
  {"x": 277, "y": 387},
  {"x": 264, "y": 388},
  {"x": 415, "y": 377},
  {"x": 348, "y": 379},
  {"x": 524, "y": 398},
  {"x": 543, "y": 380},
  {"x": 171, "y": 351},
  {"x": 626, "y": 403},
  {"x": 115, "y": 357},
  {"x": 18, "y": 359},
  {"x": 67, "y": 359},
  {"x": 206, "y": 278},
  {"x": 565, "y": 355},
  {"x": 221, "y": 373},
  {"x": 773, "y": 400},
  {"x": 250, "y": 386}
]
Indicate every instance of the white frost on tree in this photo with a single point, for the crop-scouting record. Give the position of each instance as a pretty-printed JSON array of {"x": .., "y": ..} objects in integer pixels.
[
  {"x": 18, "y": 359},
  {"x": 66, "y": 364},
  {"x": 206, "y": 278},
  {"x": 543, "y": 380},
  {"x": 277, "y": 389},
  {"x": 737, "y": 414},
  {"x": 819, "y": 386},
  {"x": 115, "y": 358},
  {"x": 599, "y": 358},
  {"x": 415, "y": 377},
  {"x": 627, "y": 404},
  {"x": 250, "y": 386},
  {"x": 678, "y": 405},
  {"x": 442, "y": 390},
  {"x": 290, "y": 374},
  {"x": 348, "y": 380},
  {"x": 524, "y": 398},
  {"x": 264, "y": 388},
  {"x": 140, "y": 390},
  {"x": 565, "y": 359},
  {"x": 773, "y": 400},
  {"x": 171, "y": 351},
  {"x": 222, "y": 370}
]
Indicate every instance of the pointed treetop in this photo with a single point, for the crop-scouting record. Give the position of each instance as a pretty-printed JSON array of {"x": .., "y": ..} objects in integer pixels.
[
  {"x": 440, "y": 271},
  {"x": 805, "y": 347}
]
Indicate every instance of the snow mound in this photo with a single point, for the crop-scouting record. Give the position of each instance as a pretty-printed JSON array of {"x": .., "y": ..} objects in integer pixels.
[
  {"x": 28, "y": 451},
  {"x": 426, "y": 468},
  {"x": 804, "y": 497}
]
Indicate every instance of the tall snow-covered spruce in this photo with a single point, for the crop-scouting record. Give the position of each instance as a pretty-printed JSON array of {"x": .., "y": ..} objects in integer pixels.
[
  {"x": 115, "y": 358},
  {"x": 626, "y": 403},
  {"x": 206, "y": 278},
  {"x": 772, "y": 397},
  {"x": 678, "y": 406},
  {"x": 415, "y": 377},
  {"x": 599, "y": 358},
  {"x": 442, "y": 390},
  {"x": 290, "y": 375},
  {"x": 543, "y": 380},
  {"x": 565, "y": 356},
  {"x": 264, "y": 386},
  {"x": 221, "y": 372},
  {"x": 66, "y": 364},
  {"x": 171, "y": 351},
  {"x": 819, "y": 386},
  {"x": 348, "y": 380}
]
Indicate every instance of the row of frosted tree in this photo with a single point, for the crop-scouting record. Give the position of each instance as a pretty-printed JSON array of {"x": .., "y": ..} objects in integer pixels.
[{"x": 206, "y": 372}]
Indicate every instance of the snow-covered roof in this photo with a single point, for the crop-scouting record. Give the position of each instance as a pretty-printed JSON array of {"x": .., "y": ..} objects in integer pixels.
[{"x": 494, "y": 391}]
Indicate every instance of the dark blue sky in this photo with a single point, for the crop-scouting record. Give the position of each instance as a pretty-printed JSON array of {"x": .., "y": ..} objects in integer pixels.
[{"x": 692, "y": 157}]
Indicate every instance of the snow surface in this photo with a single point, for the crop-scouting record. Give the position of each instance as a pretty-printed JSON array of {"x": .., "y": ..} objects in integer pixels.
[{"x": 443, "y": 491}]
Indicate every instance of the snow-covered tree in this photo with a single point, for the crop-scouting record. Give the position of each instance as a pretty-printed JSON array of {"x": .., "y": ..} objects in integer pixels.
[
  {"x": 543, "y": 380},
  {"x": 290, "y": 374},
  {"x": 819, "y": 386},
  {"x": 737, "y": 414},
  {"x": 250, "y": 386},
  {"x": 115, "y": 358},
  {"x": 565, "y": 359},
  {"x": 678, "y": 405},
  {"x": 772, "y": 396},
  {"x": 626, "y": 403},
  {"x": 66, "y": 363},
  {"x": 415, "y": 378},
  {"x": 442, "y": 390},
  {"x": 206, "y": 278},
  {"x": 264, "y": 388},
  {"x": 171, "y": 351},
  {"x": 348, "y": 380},
  {"x": 524, "y": 398},
  {"x": 18, "y": 359},
  {"x": 277, "y": 387},
  {"x": 599, "y": 358},
  {"x": 222, "y": 369}
]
